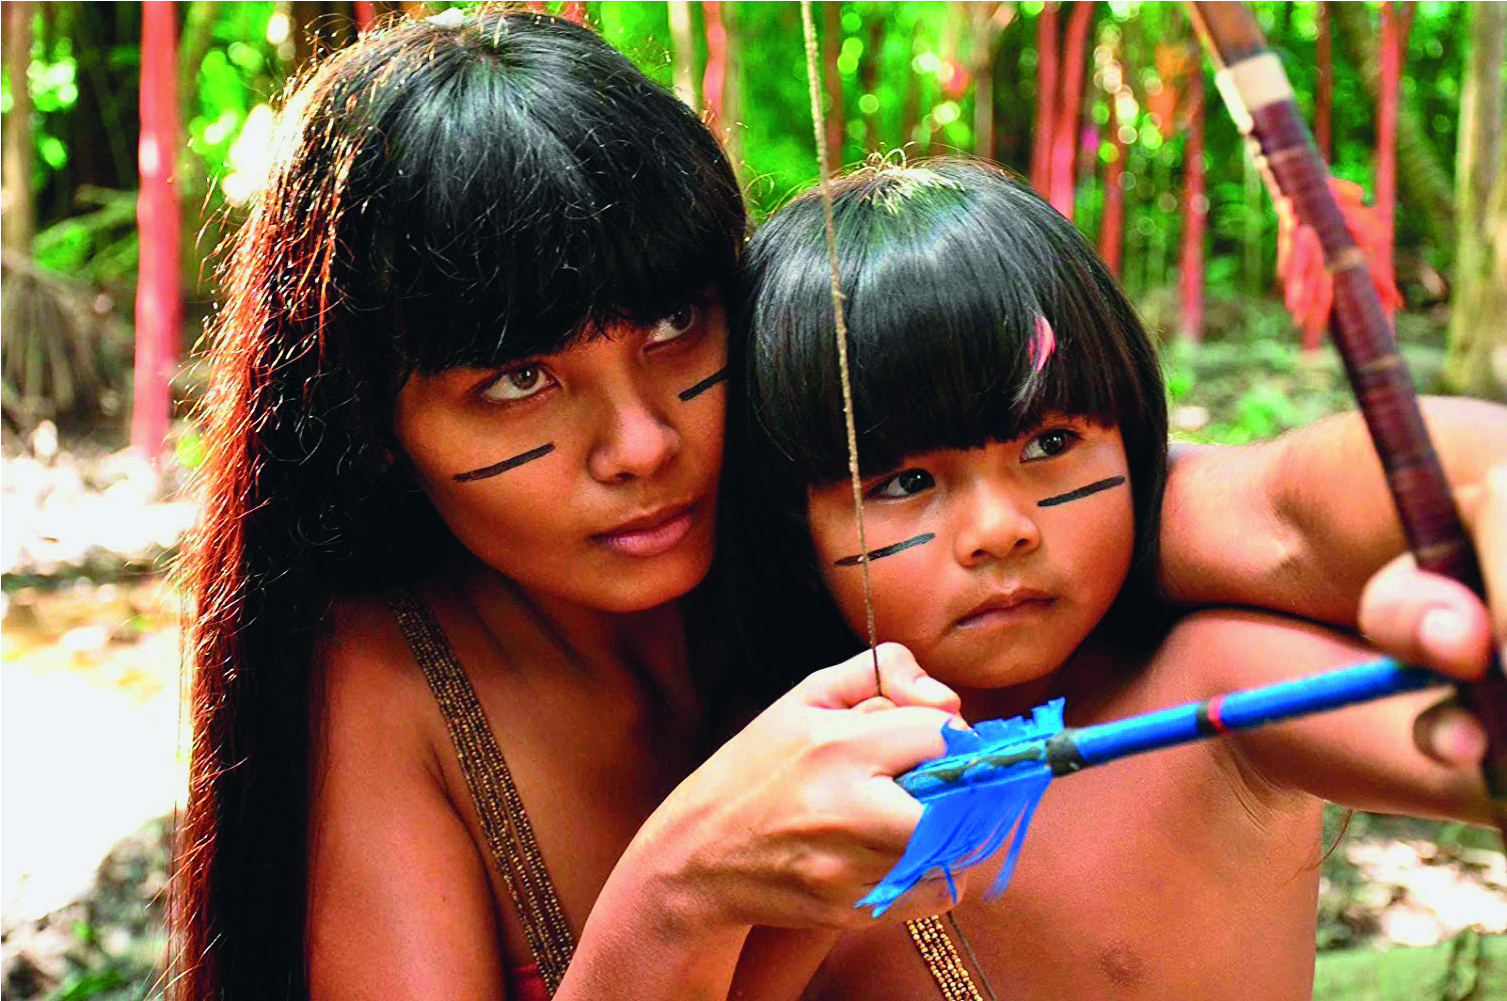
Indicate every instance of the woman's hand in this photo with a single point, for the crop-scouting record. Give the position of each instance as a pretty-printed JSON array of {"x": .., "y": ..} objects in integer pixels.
[
  {"x": 1430, "y": 620},
  {"x": 798, "y": 816}
]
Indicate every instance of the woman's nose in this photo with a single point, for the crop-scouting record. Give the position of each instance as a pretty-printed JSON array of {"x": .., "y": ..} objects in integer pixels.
[
  {"x": 993, "y": 524},
  {"x": 637, "y": 442}
]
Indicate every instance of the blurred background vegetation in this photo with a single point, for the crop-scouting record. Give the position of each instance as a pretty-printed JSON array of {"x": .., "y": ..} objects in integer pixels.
[
  {"x": 1107, "y": 107},
  {"x": 1098, "y": 103}
]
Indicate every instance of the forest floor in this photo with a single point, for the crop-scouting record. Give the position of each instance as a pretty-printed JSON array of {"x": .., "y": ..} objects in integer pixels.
[{"x": 93, "y": 736}]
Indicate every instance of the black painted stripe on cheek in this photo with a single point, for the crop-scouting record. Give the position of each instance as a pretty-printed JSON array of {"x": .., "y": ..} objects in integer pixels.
[
  {"x": 877, "y": 554},
  {"x": 1082, "y": 492},
  {"x": 506, "y": 464},
  {"x": 718, "y": 376}
]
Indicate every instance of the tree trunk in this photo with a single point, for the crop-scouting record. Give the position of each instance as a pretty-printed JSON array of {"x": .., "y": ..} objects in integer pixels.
[
  {"x": 1112, "y": 219},
  {"x": 868, "y": 73},
  {"x": 983, "y": 78},
  {"x": 1046, "y": 97},
  {"x": 198, "y": 33},
  {"x": 683, "y": 52},
  {"x": 1065, "y": 133},
  {"x": 1424, "y": 180},
  {"x": 831, "y": 44},
  {"x": 719, "y": 85},
  {"x": 986, "y": 22},
  {"x": 1323, "y": 101},
  {"x": 1195, "y": 211},
  {"x": 158, "y": 300},
  {"x": 1386, "y": 136},
  {"x": 319, "y": 27},
  {"x": 714, "y": 78},
  {"x": 1477, "y": 361},
  {"x": 19, "y": 213},
  {"x": 1112, "y": 222}
]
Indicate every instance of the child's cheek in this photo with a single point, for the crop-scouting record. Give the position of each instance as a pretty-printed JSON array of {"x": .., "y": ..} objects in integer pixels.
[{"x": 845, "y": 584}]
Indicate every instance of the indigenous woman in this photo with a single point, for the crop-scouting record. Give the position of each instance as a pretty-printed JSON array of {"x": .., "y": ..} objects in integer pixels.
[{"x": 464, "y": 445}]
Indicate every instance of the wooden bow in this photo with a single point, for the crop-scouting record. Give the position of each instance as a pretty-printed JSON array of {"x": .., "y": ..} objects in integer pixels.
[{"x": 1260, "y": 99}]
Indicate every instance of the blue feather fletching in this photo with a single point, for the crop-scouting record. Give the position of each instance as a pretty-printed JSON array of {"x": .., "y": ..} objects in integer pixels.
[{"x": 969, "y": 813}]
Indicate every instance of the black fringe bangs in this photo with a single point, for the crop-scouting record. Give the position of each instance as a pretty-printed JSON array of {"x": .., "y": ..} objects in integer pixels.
[
  {"x": 518, "y": 190},
  {"x": 947, "y": 270}
]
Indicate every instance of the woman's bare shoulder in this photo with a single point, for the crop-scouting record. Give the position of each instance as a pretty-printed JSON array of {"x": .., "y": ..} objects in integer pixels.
[{"x": 375, "y": 705}]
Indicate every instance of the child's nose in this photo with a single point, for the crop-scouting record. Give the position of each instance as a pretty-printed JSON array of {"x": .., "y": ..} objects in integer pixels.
[
  {"x": 994, "y": 525},
  {"x": 636, "y": 443}
]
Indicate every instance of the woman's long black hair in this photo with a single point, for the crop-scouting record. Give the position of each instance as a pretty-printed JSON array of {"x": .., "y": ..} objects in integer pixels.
[
  {"x": 946, "y": 269},
  {"x": 452, "y": 191}
]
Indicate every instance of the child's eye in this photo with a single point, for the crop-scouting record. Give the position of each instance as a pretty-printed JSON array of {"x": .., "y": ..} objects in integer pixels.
[
  {"x": 518, "y": 383},
  {"x": 905, "y": 483},
  {"x": 681, "y": 321},
  {"x": 1048, "y": 444}
]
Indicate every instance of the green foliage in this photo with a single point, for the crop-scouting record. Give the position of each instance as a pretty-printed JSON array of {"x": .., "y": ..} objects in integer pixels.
[
  {"x": 906, "y": 80},
  {"x": 904, "y": 73},
  {"x": 1471, "y": 965}
]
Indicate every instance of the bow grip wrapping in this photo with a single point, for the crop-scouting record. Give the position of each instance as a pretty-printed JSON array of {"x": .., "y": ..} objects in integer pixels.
[{"x": 1260, "y": 99}]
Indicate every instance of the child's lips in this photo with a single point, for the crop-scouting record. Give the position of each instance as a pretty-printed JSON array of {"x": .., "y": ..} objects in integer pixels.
[{"x": 1005, "y": 607}]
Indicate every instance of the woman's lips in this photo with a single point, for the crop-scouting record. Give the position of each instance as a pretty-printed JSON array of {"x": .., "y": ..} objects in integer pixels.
[{"x": 651, "y": 535}]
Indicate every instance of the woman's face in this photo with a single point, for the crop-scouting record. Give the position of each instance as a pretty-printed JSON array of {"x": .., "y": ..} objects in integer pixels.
[
  {"x": 588, "y": 475},
  {"x": 991, "y": 564}
]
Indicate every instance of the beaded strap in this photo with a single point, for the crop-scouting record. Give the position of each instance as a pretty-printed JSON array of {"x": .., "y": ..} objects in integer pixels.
[
  {"x": 947, "y": 969},
  {"x": 509, "y": 834}
]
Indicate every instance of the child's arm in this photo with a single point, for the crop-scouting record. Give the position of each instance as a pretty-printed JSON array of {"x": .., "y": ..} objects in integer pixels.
[
  {"x": 1299, "y": 524},
  {"x": 1362, "y": 756}
]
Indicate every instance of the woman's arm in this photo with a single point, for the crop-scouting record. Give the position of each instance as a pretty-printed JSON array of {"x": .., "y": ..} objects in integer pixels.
[
  {"x": 399, "y": 900},
  {"x": 1301, "y": 523},
  {"x": 788, "y": 824}
]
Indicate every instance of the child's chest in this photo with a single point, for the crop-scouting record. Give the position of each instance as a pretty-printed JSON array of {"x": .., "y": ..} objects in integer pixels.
[{"x": 1154, "y": 878}]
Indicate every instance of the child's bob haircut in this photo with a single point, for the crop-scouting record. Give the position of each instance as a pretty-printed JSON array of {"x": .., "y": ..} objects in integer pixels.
[{"x": 947, "y": 269}]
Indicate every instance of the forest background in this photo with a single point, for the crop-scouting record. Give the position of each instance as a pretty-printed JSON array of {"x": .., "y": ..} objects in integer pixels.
[{"x": 1108, "y": 108}]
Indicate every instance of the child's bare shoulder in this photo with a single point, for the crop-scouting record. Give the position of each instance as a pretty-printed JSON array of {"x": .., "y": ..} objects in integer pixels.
[{"x": 1222, "y": 649}]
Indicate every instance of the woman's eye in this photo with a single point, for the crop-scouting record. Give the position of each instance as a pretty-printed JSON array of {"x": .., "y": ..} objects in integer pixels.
[
  {"x": 905, "y": 483},
  {"x": 681, "y": 321},
  {"x": 1048, "y": 444},
  {"x": 518, "y": 383}
]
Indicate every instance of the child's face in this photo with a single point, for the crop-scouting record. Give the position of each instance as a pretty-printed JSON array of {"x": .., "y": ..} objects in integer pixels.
[
  {"x": 589, "y": 474},
  {"x": 991, "y": 564}
]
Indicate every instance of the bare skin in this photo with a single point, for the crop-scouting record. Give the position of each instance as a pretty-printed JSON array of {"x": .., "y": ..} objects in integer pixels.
[
  {"x": 406, "y": 901},
  {"x": 564, "y": 606},
  {"x": 1216, "y": 843},
  {"x": 1176, "y": 874}
]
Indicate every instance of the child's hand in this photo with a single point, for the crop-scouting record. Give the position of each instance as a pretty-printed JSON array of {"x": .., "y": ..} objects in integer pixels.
[
  {"x": 1429, "y": 620},
  {"x": 797, "y": 817}
]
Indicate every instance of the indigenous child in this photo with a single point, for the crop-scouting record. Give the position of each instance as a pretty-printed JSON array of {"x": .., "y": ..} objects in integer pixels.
[
  {"x": 1012, "y": 449},
  {"x": 464, "y": 445}
]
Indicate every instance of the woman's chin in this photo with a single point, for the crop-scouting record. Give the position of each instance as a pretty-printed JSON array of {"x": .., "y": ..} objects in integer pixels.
[{"x": 657, "y": 582}]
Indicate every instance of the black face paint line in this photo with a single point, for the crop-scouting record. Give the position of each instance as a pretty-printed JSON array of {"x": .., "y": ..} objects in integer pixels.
[
  {"x": 853, "y": 561},
  {"x": 506, "y": 464},
  {"x": 718, "y": 376},
  {"x": 1082, "y": 492}
]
